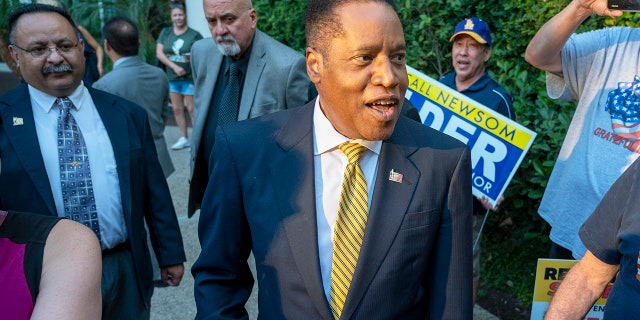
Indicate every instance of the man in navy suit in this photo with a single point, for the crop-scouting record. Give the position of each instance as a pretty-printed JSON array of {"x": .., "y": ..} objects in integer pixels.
[
  {"x": 128, "y": 185},
  {"x": 275, "y": 186}
]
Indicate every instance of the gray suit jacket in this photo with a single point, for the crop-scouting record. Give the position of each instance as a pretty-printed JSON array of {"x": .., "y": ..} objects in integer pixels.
[
  {"x": 148, "y": 87},
  {"x": 276, "y": 80}
]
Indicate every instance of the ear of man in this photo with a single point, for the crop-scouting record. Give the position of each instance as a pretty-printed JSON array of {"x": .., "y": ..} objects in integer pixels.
[
  {"x": 107, "y": 47},
  {"x": 314, "y": 58},
  {"x": 14, "y": 55}
]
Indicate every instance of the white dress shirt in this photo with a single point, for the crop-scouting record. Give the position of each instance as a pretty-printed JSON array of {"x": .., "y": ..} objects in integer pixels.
[
  {"x": 106, "y": 185},
  {"x": 329, "y": 164},
  {"x": 121, "y": 60}
]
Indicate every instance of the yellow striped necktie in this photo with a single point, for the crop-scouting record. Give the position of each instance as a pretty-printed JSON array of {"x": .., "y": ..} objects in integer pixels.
[{"x": 349, "y": 228}]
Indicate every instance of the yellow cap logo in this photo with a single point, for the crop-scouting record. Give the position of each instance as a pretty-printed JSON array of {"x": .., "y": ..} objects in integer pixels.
[{"x": 469, "y": 25}]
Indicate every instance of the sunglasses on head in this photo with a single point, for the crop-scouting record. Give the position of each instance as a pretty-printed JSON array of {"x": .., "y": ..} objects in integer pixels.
[{"x": 176, "y": 4}]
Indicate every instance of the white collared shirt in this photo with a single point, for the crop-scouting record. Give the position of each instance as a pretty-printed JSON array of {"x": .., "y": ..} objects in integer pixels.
[
  {"x": 104, "y": 174},
  {"x": 329, "y": 165},
  {"x": 121, "y": 60}
]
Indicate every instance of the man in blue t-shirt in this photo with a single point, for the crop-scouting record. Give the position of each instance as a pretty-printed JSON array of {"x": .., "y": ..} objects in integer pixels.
[{"x": 470, "y": 52}]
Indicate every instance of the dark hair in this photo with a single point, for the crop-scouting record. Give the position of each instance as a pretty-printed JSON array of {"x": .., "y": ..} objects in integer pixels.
[
  {"x": 35, "y": 8},
  {"x": 322, "y": 23},
  {"x": 122, "y": 35}
]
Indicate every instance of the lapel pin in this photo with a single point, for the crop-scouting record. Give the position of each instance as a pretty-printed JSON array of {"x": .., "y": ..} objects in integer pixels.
[
  {"x": 18, "y": 121},
  {"x": 395, "y": 176}
]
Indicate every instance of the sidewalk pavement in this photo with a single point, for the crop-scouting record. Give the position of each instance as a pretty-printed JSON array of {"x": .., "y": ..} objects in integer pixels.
[{"x": 177, "y": 303}]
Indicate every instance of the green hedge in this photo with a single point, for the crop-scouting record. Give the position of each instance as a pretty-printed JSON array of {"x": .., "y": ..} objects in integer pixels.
[{"x": 150, "y": 15}]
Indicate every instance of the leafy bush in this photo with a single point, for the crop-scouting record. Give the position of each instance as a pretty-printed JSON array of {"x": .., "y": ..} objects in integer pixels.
[
  {"x": 150, "y": 16},
  {"x": 515, "y": 237},
  {"x": 283, "y": 20},
  {"x": 7, "y": 6}
]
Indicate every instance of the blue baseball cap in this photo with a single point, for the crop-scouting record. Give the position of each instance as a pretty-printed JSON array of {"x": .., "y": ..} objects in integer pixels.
[{"x": 476, "y": 28}]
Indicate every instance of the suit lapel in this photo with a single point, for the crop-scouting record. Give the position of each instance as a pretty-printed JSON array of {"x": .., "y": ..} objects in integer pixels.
[
  {"x": 19, "y": 125},
  {"x": 207, "y": 70},
  {"x": 293, "y": 176},
  {"x": 385, "y": 215},
  {"x": 254, "y": 71},
  {"x": 210, "y": 74}
]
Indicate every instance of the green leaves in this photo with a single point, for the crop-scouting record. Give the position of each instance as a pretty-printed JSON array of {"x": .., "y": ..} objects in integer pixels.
[
  {"x": 283, "y": 20},
  {"x": 149, "y": 15}
]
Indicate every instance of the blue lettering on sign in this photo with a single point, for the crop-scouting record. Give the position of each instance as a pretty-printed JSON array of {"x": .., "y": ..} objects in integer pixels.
[{"x": 492, "y": 158}]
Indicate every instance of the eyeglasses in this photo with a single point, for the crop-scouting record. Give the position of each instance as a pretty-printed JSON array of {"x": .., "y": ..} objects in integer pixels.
[{"x": 43, "y": 52}]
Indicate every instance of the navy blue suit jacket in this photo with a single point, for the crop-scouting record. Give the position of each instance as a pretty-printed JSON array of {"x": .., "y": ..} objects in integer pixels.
[
  {"x": 415, "y": 261},
  {"x": 24, "y": 184}
]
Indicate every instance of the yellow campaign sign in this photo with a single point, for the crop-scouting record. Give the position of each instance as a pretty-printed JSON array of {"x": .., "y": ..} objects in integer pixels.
[
  {"x": 498, "y": 144},
  {"x": 549, "y": 276},
  {"x": 469, "y": 109}
]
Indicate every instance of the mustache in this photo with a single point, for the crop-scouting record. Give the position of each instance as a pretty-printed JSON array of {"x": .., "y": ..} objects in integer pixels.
[
  {"x": 56, "y": 69},
  {"x": 225, "y": 38}
]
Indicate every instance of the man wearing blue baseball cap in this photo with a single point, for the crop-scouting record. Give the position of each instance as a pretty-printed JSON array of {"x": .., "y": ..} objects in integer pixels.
[{"x": 470, "y": 52}]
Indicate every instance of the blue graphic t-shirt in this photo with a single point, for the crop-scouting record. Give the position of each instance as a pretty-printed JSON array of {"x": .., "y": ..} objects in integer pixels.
[{"x": 593, "y": 154}]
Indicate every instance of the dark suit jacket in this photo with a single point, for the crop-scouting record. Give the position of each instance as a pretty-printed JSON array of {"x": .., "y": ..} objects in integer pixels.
[
  {"x": 276, "y": 79},
  {"x": 24, "y": 185},
  {"x": 415, "y": 261}
]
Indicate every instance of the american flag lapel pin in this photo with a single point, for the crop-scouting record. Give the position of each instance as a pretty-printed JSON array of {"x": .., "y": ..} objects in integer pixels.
[
  {"x": 17, "y": 121},
  {"x": 395, "y": 176}
]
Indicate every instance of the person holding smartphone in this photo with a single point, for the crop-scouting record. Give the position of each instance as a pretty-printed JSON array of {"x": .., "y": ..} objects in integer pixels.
[{"x": 599, "y": 70}]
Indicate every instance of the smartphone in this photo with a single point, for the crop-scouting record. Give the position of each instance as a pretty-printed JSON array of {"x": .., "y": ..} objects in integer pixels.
[{"x": 626, "y": 5}]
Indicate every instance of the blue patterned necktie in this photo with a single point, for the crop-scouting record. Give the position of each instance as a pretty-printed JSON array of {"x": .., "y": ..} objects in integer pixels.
[
  {"x": 231, "y": 98},
  {"x": 75, "y": 173}
]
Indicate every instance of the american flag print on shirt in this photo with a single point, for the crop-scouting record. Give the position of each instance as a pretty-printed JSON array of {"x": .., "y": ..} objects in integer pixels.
[{"x": 623, "y": 104}]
